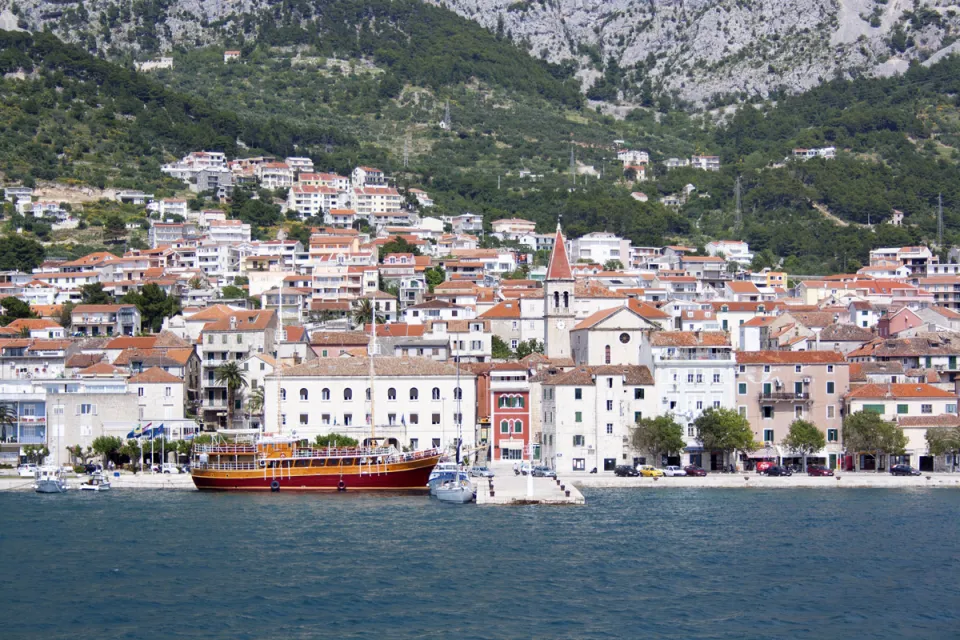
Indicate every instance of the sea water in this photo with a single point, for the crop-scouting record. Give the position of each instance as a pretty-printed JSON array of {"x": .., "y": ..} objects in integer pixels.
[{"x": 671, "y": 563}]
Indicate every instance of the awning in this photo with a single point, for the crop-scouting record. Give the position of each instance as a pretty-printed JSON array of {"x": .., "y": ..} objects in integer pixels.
[
  {"x": 510, "y": 444},
  {"x": 693, "y": 450},
  {"x": 766, "y": 452}
]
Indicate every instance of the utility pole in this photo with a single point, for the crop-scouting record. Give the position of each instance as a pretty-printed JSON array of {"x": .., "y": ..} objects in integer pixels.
[
  {"x": 940, "y": 221},
  {"x": 739, "y": 219}
]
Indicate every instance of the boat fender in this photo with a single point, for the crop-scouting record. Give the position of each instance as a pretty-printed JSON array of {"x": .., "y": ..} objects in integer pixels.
[
  {"x": 283, "y": 455},
  {"x": 274, "y": 486},
  {"x": 342, "y": 486}
]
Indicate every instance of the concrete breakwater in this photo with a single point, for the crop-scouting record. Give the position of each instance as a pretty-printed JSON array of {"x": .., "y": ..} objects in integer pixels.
[
  {"x": 147, "y": 481},
  {"x": 842, "y": 480}
]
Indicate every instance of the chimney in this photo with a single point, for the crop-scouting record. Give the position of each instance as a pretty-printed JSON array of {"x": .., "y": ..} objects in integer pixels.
[{"x": 233, "y": 323}]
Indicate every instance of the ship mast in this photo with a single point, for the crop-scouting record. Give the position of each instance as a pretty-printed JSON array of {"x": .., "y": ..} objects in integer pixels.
[
  {"x": 373, "y": 351},
  {"x": 280, "y": 336}
]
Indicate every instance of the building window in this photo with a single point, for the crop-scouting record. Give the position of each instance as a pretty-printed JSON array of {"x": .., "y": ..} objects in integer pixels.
[
  {"x": 304, "y": 395},
  {"x": 435, "y": 443},
  {"x": 768, "y": 435},
  {"x": 578, "y": 416},
  {"x": 579, "y": 464},
  {"x": 609, "y": 464},
  {"x": 766, "y": 368},
  {"x": 325, "y": 394},
  {"x": 391, "y": 418},
  {"x": 609, "y": 405},
  {"x": 833, "y": 435},
  {"x": 742, "y": 410},
  {"x": 283, "y": 419},
  {"x": 767, "y": 412},
  {"x": 391, "y": 394},
  {"x": 283, "y": 394},
  {"x": 458, "y": 393},
  {"x": 414, "y": 443},
  {"x": 325, "y": 418},
  {"x": 347, "y": 419},
  {"x": 829, "y": 368},
  {"x": 348, "y": 394},
  {"x": 926, "y": 408},
  {"x": 435, "y": 418},
  {"x": 578, "y": 441},
  {"x": 951, "y": 408},
  {"x": 578, "y": 394},
  {"x": 609, "y": 383},
  {"x": 414, "y": 393},
  {"x": 517, "y": 426},
  {"x": 742, "y": 388},
  {"x": 831, "y": 411},
  {"x": 831, "y": 387},
  {"x": 903, "y": 409},
  {"x": 690, "y": 378},
  {"x": 798, "y": 369},
  {"x": 436, "y": 393},
  {"x": 699, "y": 405},
  {"x": 609, "y": 428},
  {"x": 514, "y": 343},
  {"x": 798, "y": 411},
  {"x": 716, "y": 378},
  {"x": 304, "y": 419},
  {"x": 637, "y": 416},
  {"x": 414, "y": 418},
  {"x": 638, "y": 394},
  {"x": 606, "y": 354},
  {"x": 140, "y": 391},
  {"x": 504, "y": 426}
]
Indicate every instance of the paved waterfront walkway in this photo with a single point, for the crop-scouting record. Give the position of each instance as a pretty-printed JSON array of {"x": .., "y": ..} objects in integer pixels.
[
  {"x": 842, "y": 480},
  {"x": 165, "y": 481},
  {"x": 510, "y": 489}
]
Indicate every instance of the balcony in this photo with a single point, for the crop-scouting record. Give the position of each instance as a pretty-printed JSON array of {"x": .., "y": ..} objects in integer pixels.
[
  {"x": 726, "y": 356},
  {"x": 784, "y": 396}
]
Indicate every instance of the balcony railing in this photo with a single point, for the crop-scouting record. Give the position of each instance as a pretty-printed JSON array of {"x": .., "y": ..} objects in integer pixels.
[
  {"x": 783, "y": 396},
  {"x": 726, "y": 356}
]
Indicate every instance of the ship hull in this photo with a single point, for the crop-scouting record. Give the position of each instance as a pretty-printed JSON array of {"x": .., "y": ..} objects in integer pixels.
[{"x": 407, "y": 479}]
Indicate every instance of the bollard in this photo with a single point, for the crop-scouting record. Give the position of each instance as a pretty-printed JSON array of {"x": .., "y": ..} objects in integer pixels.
[
  {"x": 492, "y": 493},
  {"x": 563, "y": 487},
  {"x": 568, "y": 493}
]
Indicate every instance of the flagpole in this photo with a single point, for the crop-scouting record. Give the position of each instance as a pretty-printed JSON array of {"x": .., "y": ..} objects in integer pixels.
[{"x": 140, "y": 440}]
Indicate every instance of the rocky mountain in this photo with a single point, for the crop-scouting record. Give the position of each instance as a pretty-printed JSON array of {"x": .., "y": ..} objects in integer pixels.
[
  {"x": 705, "y": 48},
  {"x": 630, "y": 50}
]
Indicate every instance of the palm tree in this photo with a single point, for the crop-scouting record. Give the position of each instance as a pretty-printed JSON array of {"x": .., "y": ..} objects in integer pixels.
[
  {"x": 361, "y": 312},
  {"x": 255, "y": 403},
  {"x": 8, "y": 416},
  {"x": 229, "y": 374}
]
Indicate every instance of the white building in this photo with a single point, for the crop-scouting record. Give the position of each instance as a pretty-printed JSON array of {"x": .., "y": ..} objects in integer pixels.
[
  {"x": 417, "y": 402},
  {"x": 694, "y": 371},
  {"x": 228, "y": 231},
  {"x": 587, "y": 415},
  {"x": 705, "y": 163},
  {"x": 733, "y": 250},
  {"x": 274, "y": 175},
  {"x": 309, "y": 200},
  {"x": 600, "y": 247}
]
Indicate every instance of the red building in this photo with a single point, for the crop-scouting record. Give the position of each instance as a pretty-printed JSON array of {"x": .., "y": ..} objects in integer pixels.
[{"x": 509, "y": 410}]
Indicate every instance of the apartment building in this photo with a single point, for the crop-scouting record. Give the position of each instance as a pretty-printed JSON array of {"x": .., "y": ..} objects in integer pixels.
[
  {"x": 106, "y": 319},
  {"x": 774, "y": 388}
]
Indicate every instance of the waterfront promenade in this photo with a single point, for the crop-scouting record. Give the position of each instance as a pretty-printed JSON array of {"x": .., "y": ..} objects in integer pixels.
[{"x": 842, "y": 480}]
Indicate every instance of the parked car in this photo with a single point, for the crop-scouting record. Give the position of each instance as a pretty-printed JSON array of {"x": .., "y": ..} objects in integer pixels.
[
  {"x": 544, "y": 472},
  {"x": 777, "y": 470},
  {"x": 625, "y": 471},
  {"x": 524, "y": 468},
  {"x": 763, "y": 465},
  {"x": 904, "y": 470},
  {"x": 672, "y": 471},
  {"x": 168, "y": 467},
  {"x": 27, "y": 470},
  {"x": 648, "y": 471},
  {"x": 694, "y": 470},
  {"x": 481, "y": 472},
  {"x": 818, "y": 470}
]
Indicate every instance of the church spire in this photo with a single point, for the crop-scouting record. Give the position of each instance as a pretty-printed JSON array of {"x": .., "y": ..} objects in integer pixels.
[{"x": 559, "y": 266}]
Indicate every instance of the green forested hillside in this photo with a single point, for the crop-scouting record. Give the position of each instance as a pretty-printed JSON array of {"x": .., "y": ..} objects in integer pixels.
[{"x": 309, "y": 87}]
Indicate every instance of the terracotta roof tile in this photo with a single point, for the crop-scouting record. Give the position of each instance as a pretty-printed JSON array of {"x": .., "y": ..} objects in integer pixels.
[
  {"x": 689, "y": 339},
  {"x": 790, "y": 357},
  {"x": 155, "y": 375},
  {"x": 902, "y": 390}
]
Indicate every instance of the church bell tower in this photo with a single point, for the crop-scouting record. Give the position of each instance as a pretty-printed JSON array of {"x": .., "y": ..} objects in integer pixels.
[{"x": 558, "y": 290}]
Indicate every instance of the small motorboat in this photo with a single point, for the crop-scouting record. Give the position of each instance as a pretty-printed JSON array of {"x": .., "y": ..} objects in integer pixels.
[
  {"x": 50, "y": 480},
  {"x": 439, "y": 478},
  {"x": 97, "y": 482},
  {"x": 456, "y": 491}
]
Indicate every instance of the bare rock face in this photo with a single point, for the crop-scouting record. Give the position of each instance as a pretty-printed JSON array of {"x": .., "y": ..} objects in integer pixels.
[
  {"x": 699, "y": 49},
  {"x": 694, "y": 50}
]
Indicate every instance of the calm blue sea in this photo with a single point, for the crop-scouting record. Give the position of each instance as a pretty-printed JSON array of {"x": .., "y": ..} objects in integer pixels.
[{"x": 631, "y": 564}]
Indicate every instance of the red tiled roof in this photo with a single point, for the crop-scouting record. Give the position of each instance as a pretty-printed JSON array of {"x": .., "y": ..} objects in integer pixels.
[
  {"x": 789, "y": 357},
  {"x": 902, "y": 390}
]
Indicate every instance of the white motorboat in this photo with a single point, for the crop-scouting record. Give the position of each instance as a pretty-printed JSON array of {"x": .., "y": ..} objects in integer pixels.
[
  {"x": 456, "y": 491},
  {"x": 50, "y": 480},
  {"x": 97, "y": 482}
]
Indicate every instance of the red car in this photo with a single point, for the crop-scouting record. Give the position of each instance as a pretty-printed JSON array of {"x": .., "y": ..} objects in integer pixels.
[
  {"x": 818, "y": 470},
  {"x": 694, "y": 470}
]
